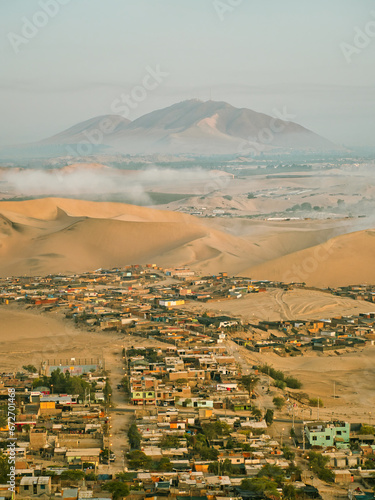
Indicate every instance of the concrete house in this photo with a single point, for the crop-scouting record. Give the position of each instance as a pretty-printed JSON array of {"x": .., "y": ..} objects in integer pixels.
[
  {"x": 328, "y": 434},
  {"x": 35, "y": 486}
]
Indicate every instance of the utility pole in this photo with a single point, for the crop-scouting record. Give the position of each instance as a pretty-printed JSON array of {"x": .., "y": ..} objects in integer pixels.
[
  {"x": 318, "y": 407},
  {"x": 303, "y": 436},
  {"x": 293, "y": 416}
]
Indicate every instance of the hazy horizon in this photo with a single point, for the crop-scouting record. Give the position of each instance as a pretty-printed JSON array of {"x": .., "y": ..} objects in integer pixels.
[{"x": 259, "y": 56}]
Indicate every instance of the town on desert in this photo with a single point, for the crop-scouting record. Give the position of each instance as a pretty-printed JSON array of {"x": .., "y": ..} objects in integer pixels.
[{"x": 187, "y": 250}]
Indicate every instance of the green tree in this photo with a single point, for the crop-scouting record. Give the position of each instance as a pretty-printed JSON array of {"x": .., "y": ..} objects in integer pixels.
[
  {"x": 261, "y": 485},
  {"x": 164, "y": 465},
  {"x": 91, "y": 476},
  {"x": 168, "y": 442},
  {"x": 268, "y": 417},
  {"x": 107, "y": 391},
  {"x": 249, "y": 382},
  {"x": 280, "y": 384},
  {"x": 293, "y": 383},
  {"x": 225, "y": 467},
  {"x": 367, "y": 429},
  {"x": 288, "y": 453},
  {"x": 181, "y": 381},
  {"x": 256, "y": 412},
  {"x": 278, "y": 402},
  {"x": 294, "y": 472},
  {"x": 272, "y": 472},
  {"x": 138, "y": 460},
  {"x": 134, "y": 437},
  {"x": 3, "y": 415},
  {"x": 117, "y": 488},
  {"x": 4, "y": 469},
  {"x": 370, "y": 462},
  {"x": 30, "y": 368},
  {"x": 72, "y": 475},
  {"x": 289, "y": 492},
  {"x": 318, "y": 464},
  {"x": 216, "y": 430}
]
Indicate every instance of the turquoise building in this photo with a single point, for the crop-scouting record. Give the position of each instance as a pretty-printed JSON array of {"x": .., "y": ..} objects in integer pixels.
[{"x": 335, "y": 433}]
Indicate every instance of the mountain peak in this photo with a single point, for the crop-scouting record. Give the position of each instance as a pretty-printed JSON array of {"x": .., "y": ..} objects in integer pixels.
[{"x": 192, "y": 126}]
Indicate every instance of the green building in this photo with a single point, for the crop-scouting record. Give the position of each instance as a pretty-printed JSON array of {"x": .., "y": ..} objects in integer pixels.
[{"x": 328, "y": 434}]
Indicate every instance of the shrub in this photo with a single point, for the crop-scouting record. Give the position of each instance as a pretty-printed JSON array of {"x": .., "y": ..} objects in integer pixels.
[
  {"x": 293, "y": 383},
  {"x": 280, "y": 384},
  {"x": 316, "y": 402},
  {"x": 278, "y": 402}
]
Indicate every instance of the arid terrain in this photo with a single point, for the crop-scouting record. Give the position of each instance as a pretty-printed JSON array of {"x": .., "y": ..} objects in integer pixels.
[
  {"x": 53, "y": 235},
  {"x": 344, "y": 383},
  {"x": 278, "y": 305},
  {"x": 28, "y": 337}
]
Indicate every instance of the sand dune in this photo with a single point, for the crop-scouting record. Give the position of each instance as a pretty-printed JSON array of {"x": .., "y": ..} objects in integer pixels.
[
  {"x": 345, "y": 259},
  {"x": 53, "y": 235},
  {"x": 48, "y": 209},
  {"x": 60, "y": 235}
]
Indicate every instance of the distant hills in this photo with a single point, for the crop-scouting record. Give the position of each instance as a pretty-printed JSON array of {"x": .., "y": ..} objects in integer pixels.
[{"x": 188, "y": 127}]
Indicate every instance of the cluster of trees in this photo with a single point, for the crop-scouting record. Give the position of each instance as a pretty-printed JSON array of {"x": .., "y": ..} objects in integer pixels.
[
  {"x": 225, "y": 467},
  {"x": 318, "y": 464},
  {"x": 4, "y": 468},
  {"x": 149, "y": 354},
  {"x": 216, "y": 430},
  {"x": 134, "y": 437},
  {"x": 30, "y": 368},
  {"x": 304, "y": 206},
  {"x": 169, "y": 441},
  {"x": 65, "y": 383},
  {"x": 280, "y": 377},
  {"x": 139, "y": 460},
  {"x": 367, "y": 429},
  {"x": 201, "y": 447},
  {"x": 118, "y": 489},
  {"x": 369, "y": 463},
  {"x": 269, "y": 479}
]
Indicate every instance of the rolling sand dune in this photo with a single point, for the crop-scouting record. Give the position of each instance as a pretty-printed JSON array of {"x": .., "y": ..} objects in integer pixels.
[
  {"x": 345, "y": 259},
  {"x": 59, "y": 235},
  {"x": 54, "y": 235}
]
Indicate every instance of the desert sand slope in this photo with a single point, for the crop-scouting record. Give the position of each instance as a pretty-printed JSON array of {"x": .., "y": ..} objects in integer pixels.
[
  {"x": 342, "y": 260},
  {"x": 48, "y": 208},
  {"x": 27, "y": 337},
  {"x": 278, "y": 305},
  {"x": 60, "y": 235},
  {"x": 53, "y": 235}
]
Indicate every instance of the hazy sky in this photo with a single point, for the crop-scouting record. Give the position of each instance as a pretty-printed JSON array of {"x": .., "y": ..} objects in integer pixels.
[{"x": 260, "y": 54}]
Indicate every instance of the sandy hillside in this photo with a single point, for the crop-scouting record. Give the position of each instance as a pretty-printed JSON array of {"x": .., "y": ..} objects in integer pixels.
[
  {"x": 53, "y": 235},
  {"x": 29, "y": 337},
  {"x": 348, "y": 258},
  {"x": 60, "y": 235},
  {"x": 349, "y": 377},
  {"x": 275, "y": 305}
]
